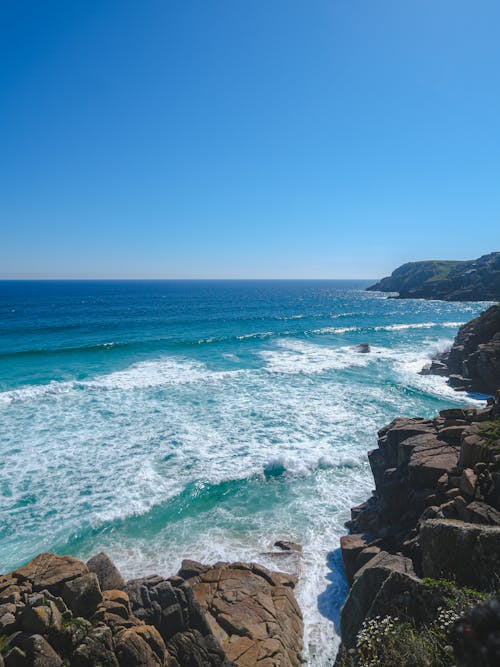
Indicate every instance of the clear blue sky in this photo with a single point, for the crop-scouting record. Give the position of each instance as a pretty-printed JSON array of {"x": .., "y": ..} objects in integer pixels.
[{"x": 247, "y": 138}]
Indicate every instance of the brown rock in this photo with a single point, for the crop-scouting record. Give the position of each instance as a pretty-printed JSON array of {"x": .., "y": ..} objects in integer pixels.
[
  {"x": 467, "y": 483},
  {"x": 140, "y": 646},
  {"x": 351, "y": 546},
  {"x": 36, "y": 649},
  {"x": 252, "y": 613},
  {"x": 108, "y": 575},
  {"x": 50, "y": 572},
  {"x": 465, "y": 552},
  {"x": 82, "y": 595}
]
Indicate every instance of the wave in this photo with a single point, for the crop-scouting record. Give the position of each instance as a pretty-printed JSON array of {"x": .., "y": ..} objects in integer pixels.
[
  {"x": 164, "y": 344},
  {"x": 388, "y": 327},
  {"x": 142, "y": 375}
]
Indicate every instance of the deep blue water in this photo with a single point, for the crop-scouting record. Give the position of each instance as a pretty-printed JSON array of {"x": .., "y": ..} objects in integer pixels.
[{"x": 168, "y": 419}]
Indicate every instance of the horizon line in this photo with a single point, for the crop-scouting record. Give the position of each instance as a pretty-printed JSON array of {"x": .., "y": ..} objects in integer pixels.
[{"x": 159, "y": 278}]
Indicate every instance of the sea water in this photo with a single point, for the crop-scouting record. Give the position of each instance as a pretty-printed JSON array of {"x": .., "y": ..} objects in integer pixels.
[{"x": 162, "y": 420}]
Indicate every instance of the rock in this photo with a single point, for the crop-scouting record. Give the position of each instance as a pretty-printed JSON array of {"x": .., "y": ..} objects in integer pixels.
[
  {"x": 478, "y": 512},
  {"x": 170, "y": 606},
  {"x": 141, "y": 646},
  {"x": 466, "y": 552},
  {"x": 451, "y": 434},
  {"x": 41, "y": 618},
  {"x": 429, "y": 460},
  {"x": 362, "y": 348},
  {"x": 82, "y": 595},
  {"x": 467, "y": 483},
  {"x": 106, "y": 571},
  {"x": 474, "y": 449},
  {"x": 252, "y": 612},
  {"x": 50, "y": 572},
  {"x": 367, "y": 583},
  {"x": 389, "y": 563},
  {"x": 192, "y": 648},
  {"x": 351, "y": 546},
  {"x": 36, "y": 649},
  {"x": 288, "y": 546},
  {"x": 366, "y": 555},
  {"x": 95, "y": 648}
]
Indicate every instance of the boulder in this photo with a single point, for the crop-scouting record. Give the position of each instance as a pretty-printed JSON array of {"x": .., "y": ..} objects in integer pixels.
[
  {"x": 465, "y": 552},
  {"x": 95, "y": 648},
  {"x": 140, "y": 646},
  {"x": 467, "y": 483},
  {"x": 478, "y": 512},
  {"x": 108, "y": 575},
  {"x": 50, "y": 572},
  {"x": 252, "y": 612},
  {"x": 429, "y": 460},
  {"x": 82, "y": 595},
  {"x": 367, "y": 584},
  {"x": 31, "y": 650},
  {"x": 351, "y": 546}
]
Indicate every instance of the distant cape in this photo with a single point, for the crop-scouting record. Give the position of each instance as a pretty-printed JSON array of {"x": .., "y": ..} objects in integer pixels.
[{"x": 472, "y": 280}]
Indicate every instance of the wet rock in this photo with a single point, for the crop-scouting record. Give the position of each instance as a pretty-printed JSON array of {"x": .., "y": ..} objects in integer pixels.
[{"x": 284, "y": 545}]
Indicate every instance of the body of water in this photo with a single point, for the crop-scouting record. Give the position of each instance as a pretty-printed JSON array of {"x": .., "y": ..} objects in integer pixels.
[{"x": 181, "y": 419}]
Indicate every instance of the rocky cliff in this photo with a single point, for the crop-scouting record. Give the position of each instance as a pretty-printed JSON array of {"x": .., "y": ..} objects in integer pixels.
[
  {"x": 475, "y": 280},
  {"x": 426, "y": 545},
  {"x": 473, "y": 362},
  {"x": 57, "y": 611}
]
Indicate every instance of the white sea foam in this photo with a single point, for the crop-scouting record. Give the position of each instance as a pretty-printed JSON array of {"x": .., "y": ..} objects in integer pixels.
[
  {"x": 388, "y": 327},
  {"x": 282, "y": 450},
  {"x": 147, "y": 374},
  {"x": 295, "y": 356}
]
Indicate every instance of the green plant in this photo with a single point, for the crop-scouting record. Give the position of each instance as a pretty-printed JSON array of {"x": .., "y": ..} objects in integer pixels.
[
  {"x": 4, "y": 644},
  {"x": 490, "y": 430}
]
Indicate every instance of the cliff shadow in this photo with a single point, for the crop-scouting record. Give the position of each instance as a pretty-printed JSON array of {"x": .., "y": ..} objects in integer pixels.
[{"x": 330, "y": 601}]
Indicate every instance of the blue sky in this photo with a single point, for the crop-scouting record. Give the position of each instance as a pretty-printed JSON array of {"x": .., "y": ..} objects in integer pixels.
[{"x": 247, "y": 138}]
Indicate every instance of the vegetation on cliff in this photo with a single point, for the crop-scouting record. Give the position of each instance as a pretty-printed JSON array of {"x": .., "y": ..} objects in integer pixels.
[{"x": 474, "y": 280}]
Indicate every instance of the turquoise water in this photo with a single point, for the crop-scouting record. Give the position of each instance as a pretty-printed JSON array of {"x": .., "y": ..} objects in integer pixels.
[{"x": 164, "y": 420}]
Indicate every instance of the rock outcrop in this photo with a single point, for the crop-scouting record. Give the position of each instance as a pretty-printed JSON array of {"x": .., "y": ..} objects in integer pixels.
[
  {"x": 434, "y": 515},
  {"x": 251, "y": 611},
  {"x": 475, "y": 280},
  {"x": 58, "y": 611},
  {"x": 473, "y": 362}
]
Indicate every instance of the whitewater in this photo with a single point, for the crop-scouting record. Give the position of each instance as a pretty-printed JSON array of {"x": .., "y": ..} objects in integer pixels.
[{"x": 180, "y": 419}]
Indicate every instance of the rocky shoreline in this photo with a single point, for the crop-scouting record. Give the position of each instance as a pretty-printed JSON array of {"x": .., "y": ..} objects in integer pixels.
[
  {"x": 57, "y": 611},
  {"x": 420, "y": 553},
  {"x": 426, "y": 546},
  {"x": 473, "y": 280},
  {"x": 473, "y": 361}
]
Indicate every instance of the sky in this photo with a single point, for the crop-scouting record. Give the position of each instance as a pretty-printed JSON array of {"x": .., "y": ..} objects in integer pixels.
[{"x": 246, "y": 138}]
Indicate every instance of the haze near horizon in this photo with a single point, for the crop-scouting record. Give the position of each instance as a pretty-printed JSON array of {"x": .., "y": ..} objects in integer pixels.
[{"x": 285, "y": 139}]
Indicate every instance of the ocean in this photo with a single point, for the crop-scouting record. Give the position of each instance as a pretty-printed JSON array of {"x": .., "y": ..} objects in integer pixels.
[{"x": 162, "y": 420}]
